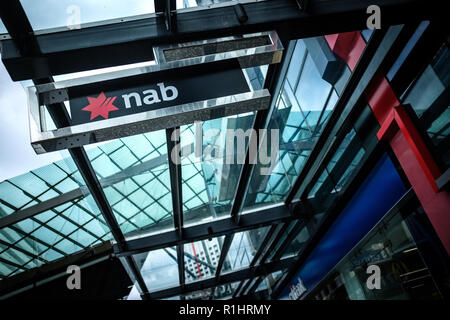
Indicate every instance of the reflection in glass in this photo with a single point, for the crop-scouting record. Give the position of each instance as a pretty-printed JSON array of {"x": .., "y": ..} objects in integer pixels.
[
  {"x": 301, "y": 110},
  {"x": 67, "y": 228},
  {"x": 2, "y": 27},
  {"x": 210, "y": 177},
  {"x": 158, "y": 268},
  {"x": 201, "y": 258},
  {"x": 243, "y": 249},
  {"x": 133, "y": 172},
  {"x": 429, "y": 99}
]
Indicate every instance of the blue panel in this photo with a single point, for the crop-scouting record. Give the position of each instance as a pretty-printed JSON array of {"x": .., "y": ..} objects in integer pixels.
[{"x": 378, "y": 193}]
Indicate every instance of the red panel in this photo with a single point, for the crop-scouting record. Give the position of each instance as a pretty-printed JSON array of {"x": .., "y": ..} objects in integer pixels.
[
  {"x": 331, "y": 39},
  {"x": 380, "y": 96},
  {"x": 418, "y": 146},
  {"x": 435, "y": 204},
  {"x": 406, "y": 142},
  {"x": 358, "y": 47},
  {"x": 349, "y": 46},
  {"x": 398, "y": 119}
]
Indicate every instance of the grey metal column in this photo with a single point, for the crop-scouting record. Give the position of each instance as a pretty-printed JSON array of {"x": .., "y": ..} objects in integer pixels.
[{"x": 174, "y": 158}]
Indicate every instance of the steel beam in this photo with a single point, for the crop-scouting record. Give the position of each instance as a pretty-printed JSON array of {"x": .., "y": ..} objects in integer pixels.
[
  {"x": 30, "y": 212},
  {"x": 174, "y": 158},
  {"x": 250, "y": 219},
  {"x": 224, "y": 279},
  {"x": 173, "y": 139}
]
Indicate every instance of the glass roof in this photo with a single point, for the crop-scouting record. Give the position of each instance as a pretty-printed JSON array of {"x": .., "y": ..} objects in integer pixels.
[
  {"x": 133, "y": 172},
  {"x": 301, "y": 111},
  {"x": 134, "y": 175},
  {"x": 65, "y": 229},
  {"x": 243, "y": 249},
  {"x": 72, "y": 13}
]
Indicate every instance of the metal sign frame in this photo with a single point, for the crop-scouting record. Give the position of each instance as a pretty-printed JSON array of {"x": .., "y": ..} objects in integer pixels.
[{"x": 39, "y": 96}]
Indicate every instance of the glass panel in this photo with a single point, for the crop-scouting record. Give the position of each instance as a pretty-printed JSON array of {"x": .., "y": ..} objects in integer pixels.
[
  {"x": 2, "y": 27},
  {"x": 298, "y": 243},
  {"x": 57, "y": 232},
  {"x": 291, "y": 228},
  {"x": 46, "y": 14},
  {"x": 243, "y": 248},
  {"x": 429, "y": 99},
  {"x": 201, "y": 258},
  {"x": 269, "y": 281},
  {"x": 133, "y": 172},
  {"x": 68, "y": 228},
  {"x": 159, "y": 268},
  {"x": 301, "y": 111},
  {"x": 210, "y": 176}
]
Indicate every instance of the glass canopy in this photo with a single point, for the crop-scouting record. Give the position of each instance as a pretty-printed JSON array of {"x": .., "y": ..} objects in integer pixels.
[
  {"x": 134, "y": 174},
  {"x": 73, "y": 225}
]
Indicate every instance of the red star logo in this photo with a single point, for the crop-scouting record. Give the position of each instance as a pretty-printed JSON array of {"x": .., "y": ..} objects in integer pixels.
[{"x": 100, "y": 106}]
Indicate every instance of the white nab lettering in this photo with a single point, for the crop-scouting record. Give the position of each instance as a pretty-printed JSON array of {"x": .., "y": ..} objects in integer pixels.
[{"x": 151, "y": 96}]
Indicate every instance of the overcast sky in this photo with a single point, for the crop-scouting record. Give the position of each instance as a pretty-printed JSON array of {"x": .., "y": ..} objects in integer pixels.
[{"x": 16, "y": 154}]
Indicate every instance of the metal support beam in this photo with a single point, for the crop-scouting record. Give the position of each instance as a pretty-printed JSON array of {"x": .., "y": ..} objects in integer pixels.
[
  {"x": 173, "y": 139},
  {"x": 224, "y": 252},
  {"x": 224, "y": 279},
  {"x": 31, "y": 211},
  {"x": 251, "y": 219}
]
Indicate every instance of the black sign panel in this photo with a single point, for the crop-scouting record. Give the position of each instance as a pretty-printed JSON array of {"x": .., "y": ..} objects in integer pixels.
[{"x": 157, "y": 90}]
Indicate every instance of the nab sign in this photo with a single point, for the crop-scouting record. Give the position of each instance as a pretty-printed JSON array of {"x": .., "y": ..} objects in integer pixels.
[{"x": 161, "y": 90}]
